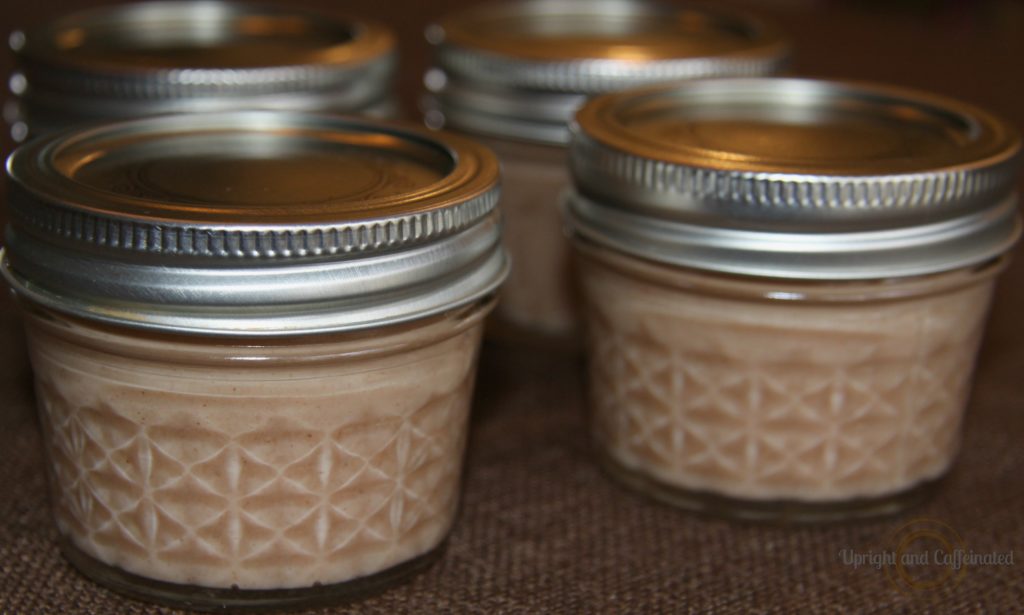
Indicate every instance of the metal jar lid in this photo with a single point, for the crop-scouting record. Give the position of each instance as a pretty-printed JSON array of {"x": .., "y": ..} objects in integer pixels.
[
  {"x": 521, "y": 69},
  {"x": 795, "y": 178},
  {"x": 201, "y": 55},
  {"x": 253, "y": 223}
]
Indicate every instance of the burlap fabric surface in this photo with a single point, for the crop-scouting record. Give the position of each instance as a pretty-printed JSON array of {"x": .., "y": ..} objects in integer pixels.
[{"x": 541, "y": 528}]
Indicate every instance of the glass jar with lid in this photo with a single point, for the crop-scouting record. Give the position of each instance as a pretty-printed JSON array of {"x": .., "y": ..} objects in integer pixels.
[
  {"x": 254, "y": 339},
  {"x": 514, "y": 73},
  {"x": 158, "y": 57},
  {"x": 786, "y": 285}
]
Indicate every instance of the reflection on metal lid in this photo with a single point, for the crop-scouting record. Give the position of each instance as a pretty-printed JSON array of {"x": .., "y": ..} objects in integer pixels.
[
  {"x": 521, "y": 69},
  {"x": 159, "y": 57},
  {"x": 804, "y": 178},
  {"x": 587, "y": 47},
  {"x": 271, "y": 171},
  {"x": 206, "y": 38},
  {"x": 178, "y": 222}
]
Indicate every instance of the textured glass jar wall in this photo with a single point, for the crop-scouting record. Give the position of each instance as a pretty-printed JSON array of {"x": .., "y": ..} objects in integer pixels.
[
  {"x": 741, "y": 393},
  {"x": 254, "y": 464}
]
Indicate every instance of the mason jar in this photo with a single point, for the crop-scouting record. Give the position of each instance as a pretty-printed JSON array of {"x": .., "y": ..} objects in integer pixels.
[
  {"x": 786, "y": 282},
  {"x": 150, "y": 58},
  {"x": 254, "y": 338},
  {"x": 513, "y": 74}
]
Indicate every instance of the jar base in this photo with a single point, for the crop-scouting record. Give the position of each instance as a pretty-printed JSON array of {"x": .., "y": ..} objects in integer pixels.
[
  {"x": 200, "y": 598},
  {"x": 769, "y": 511}
]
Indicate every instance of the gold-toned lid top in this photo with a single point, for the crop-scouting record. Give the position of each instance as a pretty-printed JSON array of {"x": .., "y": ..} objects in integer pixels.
[
  {"x": 253, "y": 223},
  {"x": 520, "y": 70},
  {"x": 163, "y": 48},
  {"x": 264, "y": 171},
  {"x": 630, "y": 31},
  {"x": 799, "y": 127},
  {"x": 796, "y": 177},
  {"x": 572, "y": 45}
]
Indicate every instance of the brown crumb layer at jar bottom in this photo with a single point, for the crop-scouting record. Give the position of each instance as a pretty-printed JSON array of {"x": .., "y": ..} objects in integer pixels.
[
  {"x": 209, "y": 599},
  {"x": 769, "y": 511}
]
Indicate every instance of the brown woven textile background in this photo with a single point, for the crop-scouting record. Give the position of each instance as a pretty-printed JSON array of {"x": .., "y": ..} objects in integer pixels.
[{"x": 541, "y": 528}]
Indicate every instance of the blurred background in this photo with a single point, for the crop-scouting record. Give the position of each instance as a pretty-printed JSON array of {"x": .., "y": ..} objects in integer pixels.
[{"x": 972, "y": 49}]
